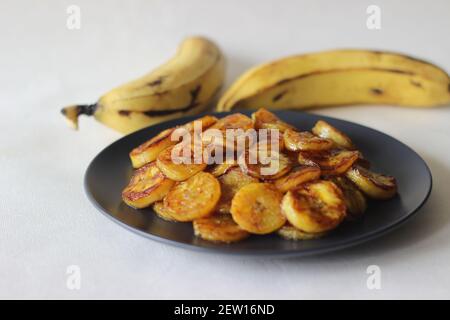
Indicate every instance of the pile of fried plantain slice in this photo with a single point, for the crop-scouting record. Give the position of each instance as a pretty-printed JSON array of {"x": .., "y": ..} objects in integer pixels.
[{"x": 321, "y": 179}]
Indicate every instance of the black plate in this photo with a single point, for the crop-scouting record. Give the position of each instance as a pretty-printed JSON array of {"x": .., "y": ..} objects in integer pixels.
[{"x": 110, "y": 171}]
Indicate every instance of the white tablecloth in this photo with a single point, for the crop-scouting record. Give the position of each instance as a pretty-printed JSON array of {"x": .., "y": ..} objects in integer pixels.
[{"x": 46, "y": 221}]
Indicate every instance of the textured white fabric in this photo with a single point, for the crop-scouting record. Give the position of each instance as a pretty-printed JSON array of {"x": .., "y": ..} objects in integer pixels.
[{"x": 46, "y": 221}]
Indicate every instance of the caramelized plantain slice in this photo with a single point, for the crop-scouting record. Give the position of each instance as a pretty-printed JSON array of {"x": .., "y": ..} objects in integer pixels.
[
  {"x": 317, "y": 207},
  {"x": 325, "y": 130},
  {"x": 230, "y": 183},
  {"x": 237, "y": 123},
  {"x": 178, "y": 171},
  {"x": 355, "y": 201},
  {"x": 221, "y": 168},
  {"x": 290, "y": 232},
  {"x": 305, "y": 141},
  {"x": 194, "y": 198},
  {"x": 265, "y": 140},
  {"x": 256, "y": 208},
  {"x": 149, "y": 150},
  {"x": 264, "y": 164},
  {"x": 219, "y": 228},
  {"x": 147, "y": 185},
  {"x": 264, "y": 119},
  {"x": 233, "y": 121},
  {"x": 162, "y": 211},
  {"x": 374, "y": 185},
  {"x": 331, "y": 162},
  {"x": 206, "y": 122},
  {"x": 296, "y": 177}
]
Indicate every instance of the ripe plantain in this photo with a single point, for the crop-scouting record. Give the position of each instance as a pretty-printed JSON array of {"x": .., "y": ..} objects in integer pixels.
[
  {"x": 147, "y": 185},
  {"x": 327, "y": 131},
  {"x": 290, "y": 232},
  {"x": 339, "y": 77},
  {"x": 315, "y": 208},
  {"x": 305, "y": 141},
  {"x": 219, "y": 228},
  {"x": 178, "y": 171},
  {"x": 375, "y": 185},
  {"x": 184, "y": 85},
  {"x": 194, "y": 198},
  {"x": 256, "y": 208},
  {"x": 296, "y": 177},
  {"x": 230, "y": 183},
  {"x": 331, "y": 162},
  {"x": 149, "y": 150}
]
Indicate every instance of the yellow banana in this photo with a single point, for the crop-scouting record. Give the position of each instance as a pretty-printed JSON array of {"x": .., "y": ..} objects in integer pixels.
[
  {"x": 339, "y": 77},
  {"x": 184, "y": 85}
]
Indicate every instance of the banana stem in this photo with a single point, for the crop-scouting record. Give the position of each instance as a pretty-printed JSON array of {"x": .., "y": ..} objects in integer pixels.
[{"x": 71, "y": 113}]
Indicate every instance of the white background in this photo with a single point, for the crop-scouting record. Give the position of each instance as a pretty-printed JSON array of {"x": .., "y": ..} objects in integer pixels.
[{"x": 46, "y": 221}]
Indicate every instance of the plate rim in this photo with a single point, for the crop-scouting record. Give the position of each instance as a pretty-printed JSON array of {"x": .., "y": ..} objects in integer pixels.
[{"x": 227, "y": 249}]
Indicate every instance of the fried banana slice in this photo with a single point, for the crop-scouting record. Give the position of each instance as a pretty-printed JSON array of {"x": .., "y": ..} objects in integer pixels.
[
  {"x": 264, "y": 119},
  {"x": 233, "y": 121},
  {"x": 149, "y": 150},
  {"x": 296, "y": 177},
  {"x": 206, "y": 122},
  {"x": 219, "y": 228},
  {"x": 270, "y": 141},
  {"x": 305, "y": 141},
  {"x": 178, "y": 171},
  {"x": 333, "y": 162},
  {"x": 374, "y": 185},
  {"x": 230, "y": 183},
  {"x": 256, "y": 208},
  {"x": 355, "y": 201},
  {"x": 290, "y": 232},
  {"x": 194, "y": 198},
  {"x": 327, "y": 131},
  {"x": 264, "y": 164},
  {"x": 147, "y": 185},
  {"x": 162, "y": 211},
  {"x": 317, "y": 207},
  {"x": 237, "y": 123},
  {"x": 221, "y": 168}
]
